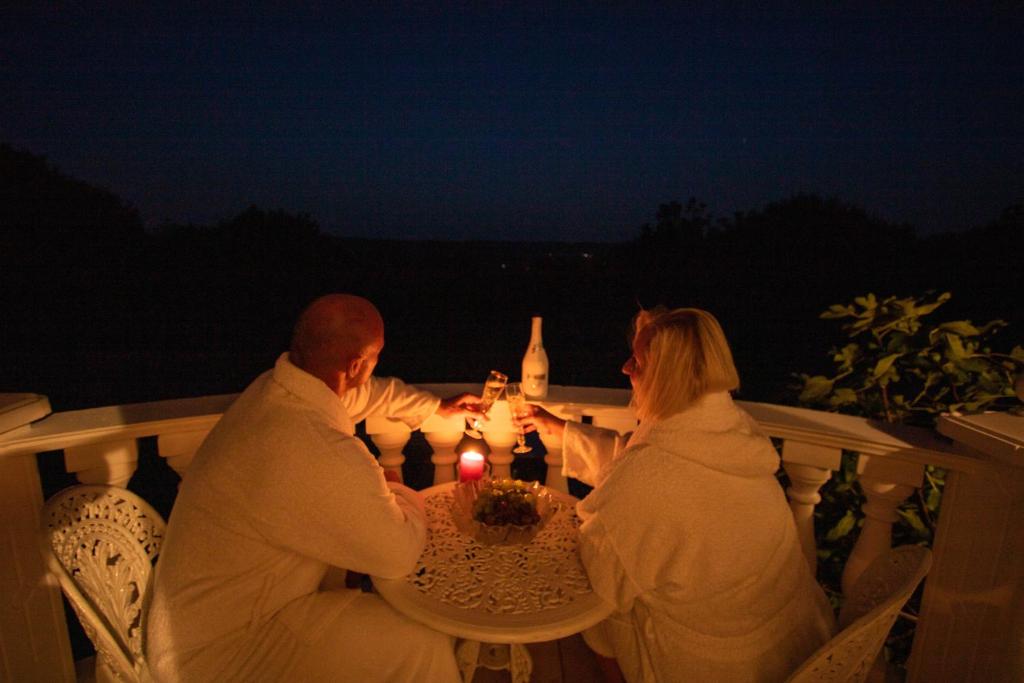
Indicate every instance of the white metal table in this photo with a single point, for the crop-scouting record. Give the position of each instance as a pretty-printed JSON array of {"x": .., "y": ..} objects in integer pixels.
[{"x": 501, "y": 596}]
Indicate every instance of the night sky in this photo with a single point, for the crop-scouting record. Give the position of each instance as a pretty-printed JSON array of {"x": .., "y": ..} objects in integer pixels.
[{"x": 522, "y": 121}]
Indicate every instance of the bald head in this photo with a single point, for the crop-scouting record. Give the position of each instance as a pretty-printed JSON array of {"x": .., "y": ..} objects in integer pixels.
[{"x": 334, "y": 332}]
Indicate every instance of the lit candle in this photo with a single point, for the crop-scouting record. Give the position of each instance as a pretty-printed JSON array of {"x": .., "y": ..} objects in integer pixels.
[{"x": 471, "y": 466}]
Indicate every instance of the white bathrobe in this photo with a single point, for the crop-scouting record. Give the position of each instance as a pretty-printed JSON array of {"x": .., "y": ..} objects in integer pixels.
[
  {"x": 689, "y": 535},
  {"x": 279, "y": 492}
]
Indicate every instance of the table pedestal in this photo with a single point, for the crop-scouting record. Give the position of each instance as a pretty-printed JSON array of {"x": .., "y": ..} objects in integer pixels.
[{"x": 471, "y": 654}]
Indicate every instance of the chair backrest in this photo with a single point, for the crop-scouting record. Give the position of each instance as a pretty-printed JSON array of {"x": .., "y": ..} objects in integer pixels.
[
  {"x": 100, "y": 543},
  {"x": 867, "y": 616}
]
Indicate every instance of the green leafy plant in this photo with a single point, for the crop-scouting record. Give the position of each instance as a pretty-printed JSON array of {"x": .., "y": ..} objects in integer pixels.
[{"x": 898, "y": 367}]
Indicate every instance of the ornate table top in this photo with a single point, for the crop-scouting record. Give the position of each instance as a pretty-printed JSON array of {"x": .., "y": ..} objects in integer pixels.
[{"x": 505, "y": 594}]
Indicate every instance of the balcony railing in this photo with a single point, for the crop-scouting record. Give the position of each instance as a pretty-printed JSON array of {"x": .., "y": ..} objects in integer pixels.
[{"x": 971, "y": 625}]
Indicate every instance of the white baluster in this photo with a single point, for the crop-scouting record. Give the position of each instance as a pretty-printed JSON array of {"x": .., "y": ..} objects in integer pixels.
[
  {"x": 553, "y": 445},
  {"x": 553, "y": 459},
  {"x": 501, "y": 443},
  {"x": 444, "y": 457},
  {"x": 178, "y": 448},
  {"x": 390, "y": 444},
  {"x": 111, "y": 462},
  {"x": 809, "y": 466},
  {"x": 886, "y": 482}
]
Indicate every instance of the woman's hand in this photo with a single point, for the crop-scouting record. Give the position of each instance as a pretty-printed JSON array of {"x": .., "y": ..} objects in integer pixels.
[{"x": 536, "y": 419}]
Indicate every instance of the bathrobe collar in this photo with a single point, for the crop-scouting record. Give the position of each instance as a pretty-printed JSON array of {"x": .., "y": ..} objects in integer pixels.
[
  {"x": 313, "y": 391},
  {"x": 740, "y": 448}
]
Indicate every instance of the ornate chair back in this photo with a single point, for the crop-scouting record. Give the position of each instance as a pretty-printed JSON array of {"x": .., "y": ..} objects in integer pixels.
[
  {"x": 100, "y": 543},
  {"x": 866, "y": 617}
]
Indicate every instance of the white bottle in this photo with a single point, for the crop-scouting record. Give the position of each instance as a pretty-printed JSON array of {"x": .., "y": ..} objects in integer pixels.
[{"x": 535, "y": 364}]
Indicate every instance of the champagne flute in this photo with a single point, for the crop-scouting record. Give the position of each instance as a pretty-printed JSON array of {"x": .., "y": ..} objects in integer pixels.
[
  {"x": 517, "y": 406},
  {"x": 493, "y": 387}
]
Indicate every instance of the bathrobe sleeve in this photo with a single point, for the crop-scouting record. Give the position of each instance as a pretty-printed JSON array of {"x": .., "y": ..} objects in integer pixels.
[
  {"x": 390, "y": 397},
  {"x": 588, "y": 452}
]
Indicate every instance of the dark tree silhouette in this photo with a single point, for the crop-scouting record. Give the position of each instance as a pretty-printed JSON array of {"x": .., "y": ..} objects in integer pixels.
[
  {"x": 98, "y": 311},
  {"x": 69, "y": 276}
]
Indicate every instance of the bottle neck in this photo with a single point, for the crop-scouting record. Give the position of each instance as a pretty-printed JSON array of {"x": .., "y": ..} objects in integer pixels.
[{"x": 535, "y": 333}]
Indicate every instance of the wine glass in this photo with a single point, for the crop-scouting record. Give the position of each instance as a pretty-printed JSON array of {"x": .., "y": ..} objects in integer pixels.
[
  {"x": 517, "y": 406},
  {"x": 493, "y": 387}
]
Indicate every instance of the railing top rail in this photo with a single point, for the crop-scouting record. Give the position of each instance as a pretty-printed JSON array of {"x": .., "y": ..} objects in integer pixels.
[
  {"x": 872, "y": 437},
  {"x": 127, "y": 421},
  {"x": 71, "y": 428},
  {"x": 1000, "y": 435}
]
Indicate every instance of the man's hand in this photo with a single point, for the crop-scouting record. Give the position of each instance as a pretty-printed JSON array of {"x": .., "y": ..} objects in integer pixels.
[{"x": 466, "y": 405}]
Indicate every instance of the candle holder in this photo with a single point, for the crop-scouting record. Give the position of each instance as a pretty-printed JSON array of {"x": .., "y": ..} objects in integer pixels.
[{"x": 533, "y": 499}]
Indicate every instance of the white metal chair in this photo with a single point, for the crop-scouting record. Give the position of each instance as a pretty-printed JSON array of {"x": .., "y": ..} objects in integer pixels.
[
  {"x": 866, "y": 617},
  {"x": 100, "y": 543}
]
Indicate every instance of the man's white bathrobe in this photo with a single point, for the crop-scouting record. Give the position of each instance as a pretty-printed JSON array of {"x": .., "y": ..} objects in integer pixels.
[
  {"x": 279, "y": 492},
  {"x": 689, "y": 534}
]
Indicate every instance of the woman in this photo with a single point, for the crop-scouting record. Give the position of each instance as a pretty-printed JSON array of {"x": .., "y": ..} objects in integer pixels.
[{"x": 687, "y": 532}]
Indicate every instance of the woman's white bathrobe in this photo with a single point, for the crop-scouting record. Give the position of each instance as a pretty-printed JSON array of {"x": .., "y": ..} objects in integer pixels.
[
  {"x": 279, "y": 492},
  {"x": 689, "y": 534}
]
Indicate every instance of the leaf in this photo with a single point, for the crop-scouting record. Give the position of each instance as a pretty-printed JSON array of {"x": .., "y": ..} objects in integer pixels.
[
  {"x": 816, "y": 389},
  {"x": 964, "y": 328},
  {"x": 843, "y": 527},
  {"x": 842, "y": 397},
  {"x": 932, "y": 501},
  {"x": 868, "y": 302},
  {"x": 884, "y": 364},
  {"x": 847, "y": 355},
  {"x": 973, "y": 364},
  {"x": 954, "y": 347},
  {"x": 837, "y": 311},
  {"x": 857, "y": 327},
  {"x": 928, "y": 308},
  {"x": 898, "y": 343},
  {"x": 911, "y": 517}
]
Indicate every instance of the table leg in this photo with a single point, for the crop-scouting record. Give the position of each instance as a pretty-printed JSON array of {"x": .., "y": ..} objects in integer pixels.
[
  {"x": 521, "y": 664},
  {"x": 467, "y": 653},
  {"x": 471, "y": 654}
]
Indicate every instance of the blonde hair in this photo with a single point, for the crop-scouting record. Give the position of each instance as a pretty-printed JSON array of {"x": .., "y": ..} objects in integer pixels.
[{"x": 681, "y": 355}]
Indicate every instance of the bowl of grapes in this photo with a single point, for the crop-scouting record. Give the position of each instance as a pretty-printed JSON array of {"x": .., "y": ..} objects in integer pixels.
[{"x": 502, "y": 511}]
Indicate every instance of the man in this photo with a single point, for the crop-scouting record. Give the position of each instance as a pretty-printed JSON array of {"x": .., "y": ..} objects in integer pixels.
[{"x": 280, "y": 493}]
